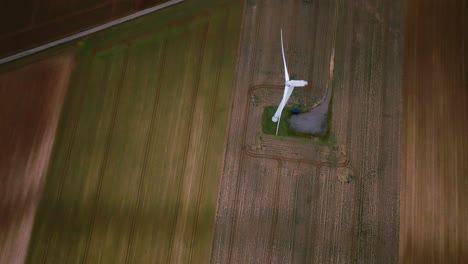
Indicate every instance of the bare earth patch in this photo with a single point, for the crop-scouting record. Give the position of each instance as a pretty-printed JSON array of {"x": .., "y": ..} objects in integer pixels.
[{"x": 31, "y": 100}]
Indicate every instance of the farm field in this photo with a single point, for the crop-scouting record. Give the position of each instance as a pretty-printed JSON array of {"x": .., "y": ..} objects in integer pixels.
[
  {"x": 291, "y": 199},
  {"x": 28, "y": 24},
  {"x": 135, "y": 171},
  {"x": 29, "y": 114},
  {"x": 434, "y": 171},
  {"x": 164, "y": 150}
]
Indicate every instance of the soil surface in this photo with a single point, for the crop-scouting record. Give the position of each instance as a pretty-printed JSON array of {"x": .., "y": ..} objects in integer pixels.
[
  {"x": 315, "y": 121},
  {"x": 434, "y": 172},
  {"x": 291, "y": 199},
  {"x": 31, "y": 99}
]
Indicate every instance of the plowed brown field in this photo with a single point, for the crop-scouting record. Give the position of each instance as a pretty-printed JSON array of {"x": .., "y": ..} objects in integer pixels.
[
  {"x": 31, "y": 99},
  {"x": 434, "y": 169}
]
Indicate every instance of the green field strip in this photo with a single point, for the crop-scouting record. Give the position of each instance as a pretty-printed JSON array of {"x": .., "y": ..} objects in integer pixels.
[
  {"x": 120, "y": 183},
  {"x": 44, "y": 219},
  {"x": 210, "y": 66},
  {"x": 158, "y": 68},
  {"x": 135, "y": 171},
  {"x": 82, "y": 183},
  {"x": 168, "y": 151},
  {"x": 66, "y": 239},
  {"x": 208, "y": 196}
]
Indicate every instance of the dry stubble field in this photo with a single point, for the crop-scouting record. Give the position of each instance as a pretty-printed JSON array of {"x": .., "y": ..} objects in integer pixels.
[{"x": 305, "y": 200}]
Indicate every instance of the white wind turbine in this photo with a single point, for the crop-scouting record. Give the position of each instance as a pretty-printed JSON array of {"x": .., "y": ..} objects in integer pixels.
[{"x": 289, "y": 86}]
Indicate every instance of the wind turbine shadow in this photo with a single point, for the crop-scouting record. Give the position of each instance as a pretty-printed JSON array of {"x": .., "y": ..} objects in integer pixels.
[{"x": 314, "y": 122}]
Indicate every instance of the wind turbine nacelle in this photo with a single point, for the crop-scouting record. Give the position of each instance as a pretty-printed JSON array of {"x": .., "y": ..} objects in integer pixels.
[{"x": 296, "y": 83}]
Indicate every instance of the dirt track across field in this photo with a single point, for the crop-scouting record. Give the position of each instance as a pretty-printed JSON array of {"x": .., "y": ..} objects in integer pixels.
[
  {"x": 306, "y": 200},
  {"x": 31, "y": 100}
]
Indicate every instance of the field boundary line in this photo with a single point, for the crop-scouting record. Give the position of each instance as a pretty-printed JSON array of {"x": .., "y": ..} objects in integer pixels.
[
  {"x": 87, "y": 32},
  {"x": 293, "y": 236},
  {"x": 271, "y": 239}
]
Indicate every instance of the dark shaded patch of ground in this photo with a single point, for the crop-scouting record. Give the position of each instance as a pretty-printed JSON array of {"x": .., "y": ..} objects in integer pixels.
[{"x": 315, "y": 122}]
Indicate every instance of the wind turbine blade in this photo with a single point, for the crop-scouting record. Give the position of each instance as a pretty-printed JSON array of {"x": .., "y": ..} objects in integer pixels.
[
  {"x": 277, "y": 125},
  {"x": 286, "y": 74},
  {"x": 287, "y": 93}
]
